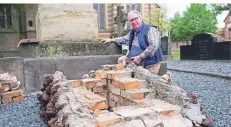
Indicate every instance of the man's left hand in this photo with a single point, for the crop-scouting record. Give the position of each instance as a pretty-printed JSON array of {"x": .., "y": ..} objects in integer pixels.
[{"x": 136, "y": 59}]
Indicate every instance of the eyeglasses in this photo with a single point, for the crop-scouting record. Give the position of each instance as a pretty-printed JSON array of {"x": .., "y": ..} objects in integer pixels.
[{"x": 131, "y": 20}]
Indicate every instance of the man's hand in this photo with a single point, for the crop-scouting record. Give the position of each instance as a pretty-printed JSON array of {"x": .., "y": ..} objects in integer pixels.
[
  {"x": 107, "y": 40},
  {"x": 136, "y": 59}
]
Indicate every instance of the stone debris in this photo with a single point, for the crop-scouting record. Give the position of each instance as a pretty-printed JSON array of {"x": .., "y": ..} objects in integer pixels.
[
  {"x": 10, "y": 89},
  {"x": 112, "y": 97}
]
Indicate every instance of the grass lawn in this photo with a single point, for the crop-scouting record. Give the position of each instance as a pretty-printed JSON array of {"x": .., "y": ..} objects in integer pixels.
[{"x": 176, "y": 55}]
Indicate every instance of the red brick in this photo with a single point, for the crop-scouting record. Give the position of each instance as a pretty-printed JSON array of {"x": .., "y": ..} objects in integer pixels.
[
  {"x": 100, "y": 74},
  {"x": 5, "y": 87},
  {"x": 88, "y": 83},
  {"x": 12, "y": 94},
  {"x": 119, "y": 74},
  {"x": 6, "y": 100},
  {"x": 126, "y": 83},
  {"x": 137, "y": 93},
  {"x": 98, "y": 106},
  {"x": 18, "y": 98},
  {"x": 75, "y": 83},
  {"x": 169, "y": 113},
  {"x": 138, "y": 96}
]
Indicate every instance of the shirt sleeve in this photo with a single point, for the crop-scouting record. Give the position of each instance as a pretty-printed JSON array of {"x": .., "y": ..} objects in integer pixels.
[
  {"x": 153, "y": 40},
  {"x": 123, "y": 40}
]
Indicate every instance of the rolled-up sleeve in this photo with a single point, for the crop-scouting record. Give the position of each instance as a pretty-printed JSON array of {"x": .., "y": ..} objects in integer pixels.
[
  {"x": 123, "y": 40},
  {"x": 153, "y": 40}
]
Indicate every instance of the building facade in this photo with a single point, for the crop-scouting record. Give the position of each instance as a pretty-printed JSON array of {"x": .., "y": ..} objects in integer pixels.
[
  {"x": 227, "y": 29},
  {"x": 224, "y": 34},
  {"x": 15, "y": 26}
]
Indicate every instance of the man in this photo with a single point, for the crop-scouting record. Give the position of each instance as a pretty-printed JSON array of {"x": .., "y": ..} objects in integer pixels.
[{"x": 146, "y": 38}]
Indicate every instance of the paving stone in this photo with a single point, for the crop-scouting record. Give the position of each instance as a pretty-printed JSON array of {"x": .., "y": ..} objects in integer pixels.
[
  {"x": 97, "y": 113},
  {"x": 132, "y": 123},
  {"x": 133, "y": 112},
  {"x": 193, "y": 113},
  {"x": 175, "y": 121},
  {"x": 165, "y": 108}
]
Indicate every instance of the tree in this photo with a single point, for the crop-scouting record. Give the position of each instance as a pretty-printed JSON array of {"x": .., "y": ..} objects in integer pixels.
[
  {"x": 157, "y": 17},
  {"x": 174, "y": 32},
  {"x": 196, "y": 19},
  {"x": 218, "y": 8}
]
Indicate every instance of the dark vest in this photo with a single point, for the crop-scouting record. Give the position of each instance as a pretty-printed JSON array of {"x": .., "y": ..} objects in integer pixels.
[{"x": 143, "y": 43}]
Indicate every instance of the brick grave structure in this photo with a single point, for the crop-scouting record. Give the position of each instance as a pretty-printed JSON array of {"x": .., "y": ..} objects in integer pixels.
[
  {"x": 9, "y": 89},
  {"x": 118, "y": 97}
]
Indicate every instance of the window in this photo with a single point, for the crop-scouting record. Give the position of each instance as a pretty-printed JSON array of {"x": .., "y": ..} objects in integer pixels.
[
  {"x": 131, "y": 7},
  {"x": 100, "y": 8},
  {"x": 30, "y": 23},
  {"x": 5, "y": 16}
]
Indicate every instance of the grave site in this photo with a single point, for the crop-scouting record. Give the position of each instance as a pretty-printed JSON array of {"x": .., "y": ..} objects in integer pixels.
[
  {"x": 68, "y": 78},
  {"x": 115, "y": 96}
]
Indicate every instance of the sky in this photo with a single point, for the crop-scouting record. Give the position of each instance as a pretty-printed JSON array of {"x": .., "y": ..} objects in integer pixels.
[{"x": 174, "y": 7}]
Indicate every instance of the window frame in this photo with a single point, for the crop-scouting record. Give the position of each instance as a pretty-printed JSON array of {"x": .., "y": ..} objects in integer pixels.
[
  {"x": 100, "y": 16},
  {"x": 6, "y": 13}
]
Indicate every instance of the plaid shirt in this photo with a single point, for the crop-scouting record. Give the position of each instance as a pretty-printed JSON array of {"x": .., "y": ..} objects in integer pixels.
[{"x": 153, "y": 41}]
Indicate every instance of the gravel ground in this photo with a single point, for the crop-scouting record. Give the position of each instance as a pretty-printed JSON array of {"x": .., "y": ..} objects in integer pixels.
[
  {"x": 218, "y": 67},
  {"x": 213, "y": 93},
  {"x": 21, "y": 114}
]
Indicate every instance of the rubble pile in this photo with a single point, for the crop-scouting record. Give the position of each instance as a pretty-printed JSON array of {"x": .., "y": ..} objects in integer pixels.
[
  {"x": 10, "y": 89},
  {"x": 118, "y": 96}
]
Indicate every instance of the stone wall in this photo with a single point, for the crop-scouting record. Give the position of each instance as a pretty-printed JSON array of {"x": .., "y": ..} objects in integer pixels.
[
  {"x": 68, "y": 49},
  {"x": 14, "y": 66},
  {"x": 72, "y": 67},
  {"x": 66, "y": 22}
]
